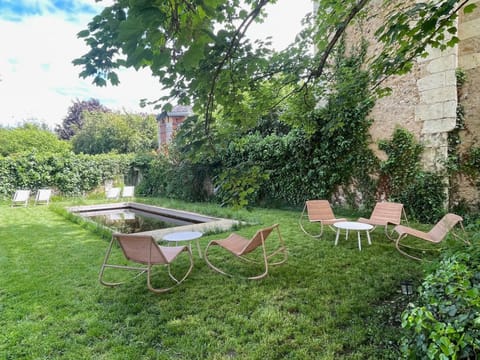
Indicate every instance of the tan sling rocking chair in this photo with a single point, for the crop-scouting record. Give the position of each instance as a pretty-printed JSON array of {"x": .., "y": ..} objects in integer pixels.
[
  {"x": 240, "y": 246},
  {"x": 436, "y": 235},
  {"x": 143, "y": 249},
  {"x": 317, "y": 211},
  {"x": 385, "y": 214}
]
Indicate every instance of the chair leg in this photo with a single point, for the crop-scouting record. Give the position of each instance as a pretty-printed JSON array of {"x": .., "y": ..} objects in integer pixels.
[
  {"x": 265, "y": 261},
  {"x": 398, "y": 246},
  {"x": 301, "y": 220},
  {"x": 213, "y": 267},
  {"x": 282, "y": 249},
  {"x": 105, "y": 265},
  {"x": 458, "y": 237},
  {"x": 177, "y": 282},
  {"x": 388, "y": 234}
]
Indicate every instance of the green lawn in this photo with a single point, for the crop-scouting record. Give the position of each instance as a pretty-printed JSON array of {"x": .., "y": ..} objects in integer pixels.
[{"x": 326, "y": 302}]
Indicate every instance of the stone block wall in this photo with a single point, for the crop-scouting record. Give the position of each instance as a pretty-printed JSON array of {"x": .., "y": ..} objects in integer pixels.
[
  {"x": 425, "y": 100},
  {"x": 469, "y": 62}
]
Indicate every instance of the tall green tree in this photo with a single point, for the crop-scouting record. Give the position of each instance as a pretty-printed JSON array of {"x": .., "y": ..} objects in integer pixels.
[
  {"x": 114, "y": 132},
  {"x": 73, "y": 122},
  {"x": 30, "y": 138}
]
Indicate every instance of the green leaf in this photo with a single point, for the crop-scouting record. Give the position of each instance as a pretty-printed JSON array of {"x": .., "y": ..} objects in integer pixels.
[
  {"x": 83, "y": 33},
  {"x": 469, "y": 8},
  {"x": 453, "y": 41},
  {"x": 452, "y": 30}
]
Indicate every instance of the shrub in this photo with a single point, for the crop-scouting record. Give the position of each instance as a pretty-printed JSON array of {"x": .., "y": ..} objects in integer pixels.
[
  {"x": 401, "y": 179},
  {"x": 30, "y": 137},
  {"x": 446, "y": 322},
  {"x": 402, "y": 164},
  {"x": 424, "y": 197},
  {"x": 69, "y": 173},
  {"x": 238, "y": 186},
  {"x": 167, "y": 177}
]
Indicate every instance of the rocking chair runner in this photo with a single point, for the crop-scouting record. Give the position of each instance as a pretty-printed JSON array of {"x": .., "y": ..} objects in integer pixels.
[
  {"x": 143, "y": 249},
  {"x": 436, "y": 235},
  {"x": 240, "y": 246},
  {"x": 318, "y": 211}
]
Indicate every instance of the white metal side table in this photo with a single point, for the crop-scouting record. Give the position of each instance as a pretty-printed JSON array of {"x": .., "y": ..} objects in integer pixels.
[
  {"x": 180, "y": 236},
  {"x": 353, "y": 226}
]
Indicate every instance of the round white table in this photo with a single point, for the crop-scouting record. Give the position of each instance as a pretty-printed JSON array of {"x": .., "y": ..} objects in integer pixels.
[
  {"x": 353, "y": 226},
  {"x": 180, "y": 236}
]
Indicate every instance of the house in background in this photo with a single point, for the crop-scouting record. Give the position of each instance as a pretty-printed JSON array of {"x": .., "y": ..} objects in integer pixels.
[{"x": 168, "y": 122}]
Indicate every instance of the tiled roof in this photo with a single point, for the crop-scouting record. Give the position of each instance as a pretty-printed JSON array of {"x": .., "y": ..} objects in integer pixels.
[
  {"x": 180, "y": 110},
  {"x": 177, "y": 111}
]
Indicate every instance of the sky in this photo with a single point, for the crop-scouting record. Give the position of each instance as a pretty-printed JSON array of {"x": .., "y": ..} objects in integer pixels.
[{"x": 38, "y": 41}]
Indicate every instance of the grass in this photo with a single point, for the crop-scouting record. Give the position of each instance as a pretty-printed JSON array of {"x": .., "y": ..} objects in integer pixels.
[{"x": 326, "y": 302}]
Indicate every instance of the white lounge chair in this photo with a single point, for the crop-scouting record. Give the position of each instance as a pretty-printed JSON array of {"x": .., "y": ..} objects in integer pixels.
[
  {"x": 43, "y": 196},
  {"x": 113, "y": 193},
  {"x": 128, "y": 191},
  {"x": 21, "y": 197}
]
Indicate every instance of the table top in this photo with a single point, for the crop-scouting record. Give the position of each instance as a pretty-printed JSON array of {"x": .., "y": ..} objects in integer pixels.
[
  {"x": 183, "y": 236},
  {"x": 352, "y": 225}
]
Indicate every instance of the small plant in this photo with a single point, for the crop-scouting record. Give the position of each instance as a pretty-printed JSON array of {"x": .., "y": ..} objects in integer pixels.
[
  {"x": 237, "y": 187},
  {"x": 402, "y": 164},
  {"x": 402, "y": 178},
  {"x": 446, "y": 322},
  {"x": 424, "y": 197}
]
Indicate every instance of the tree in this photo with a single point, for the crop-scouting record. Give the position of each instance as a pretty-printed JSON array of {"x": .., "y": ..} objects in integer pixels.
[
  {"x": 73, "y": 122},
  {"x": 114, "y": 132},
  {"x": 28, "y": 138},
  {"x": 199, "y": 51}
]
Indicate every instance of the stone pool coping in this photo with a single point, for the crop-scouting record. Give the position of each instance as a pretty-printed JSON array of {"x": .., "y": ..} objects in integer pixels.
[{"x": 206, "y": 223}]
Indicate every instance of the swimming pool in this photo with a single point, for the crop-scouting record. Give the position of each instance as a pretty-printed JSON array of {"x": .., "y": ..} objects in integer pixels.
[{"x": 130, "y": 217}]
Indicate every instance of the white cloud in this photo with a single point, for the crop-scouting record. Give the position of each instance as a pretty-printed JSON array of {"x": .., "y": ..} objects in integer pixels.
[
  {"x": 39, "y": 81},
  {"x": 283, "y": 22}
]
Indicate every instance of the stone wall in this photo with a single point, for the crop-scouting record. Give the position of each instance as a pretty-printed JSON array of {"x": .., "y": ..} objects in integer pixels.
[
  {"x": 425, "y": 100},
  {"x": 469, "y": 61}
]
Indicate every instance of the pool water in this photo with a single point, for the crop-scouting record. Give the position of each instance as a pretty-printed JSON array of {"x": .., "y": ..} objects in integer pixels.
[
  {"x": 131, "y": 217},
  {"x": 129, "y": 221}
]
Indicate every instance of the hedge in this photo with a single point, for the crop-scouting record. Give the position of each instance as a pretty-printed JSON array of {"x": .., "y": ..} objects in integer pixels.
[{"x": 67, "y": 173}]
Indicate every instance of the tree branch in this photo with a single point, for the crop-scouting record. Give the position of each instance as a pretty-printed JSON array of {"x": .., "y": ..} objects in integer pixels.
[
  {"x": 238, "y": 35},
  {"x": 336, "y": 37}
]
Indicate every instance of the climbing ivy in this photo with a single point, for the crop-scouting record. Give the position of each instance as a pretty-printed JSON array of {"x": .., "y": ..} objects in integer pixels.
[
  {"x": 315, "y": 159},
  {"x": 462, "y": 166},
  {"x": 402, "y": 164},
  {"x": 402, "y": 178}
]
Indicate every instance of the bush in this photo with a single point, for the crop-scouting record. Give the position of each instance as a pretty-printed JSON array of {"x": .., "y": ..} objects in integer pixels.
[
  {"x": 424, "y": 198},
  {"x": 164, "y": 176},
  {"x": 69, "y": 173},
  {"x": 30, "y": 137},
  {"x": 446, "y": 323}
]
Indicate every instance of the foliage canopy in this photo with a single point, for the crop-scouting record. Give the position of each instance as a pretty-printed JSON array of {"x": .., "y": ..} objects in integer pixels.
[
  {"x": 30, "y": 137},
  {"x": 114, "y": 132},
  {"x": 73, "y": 122},
  {"x": 200, "y": 53}
]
